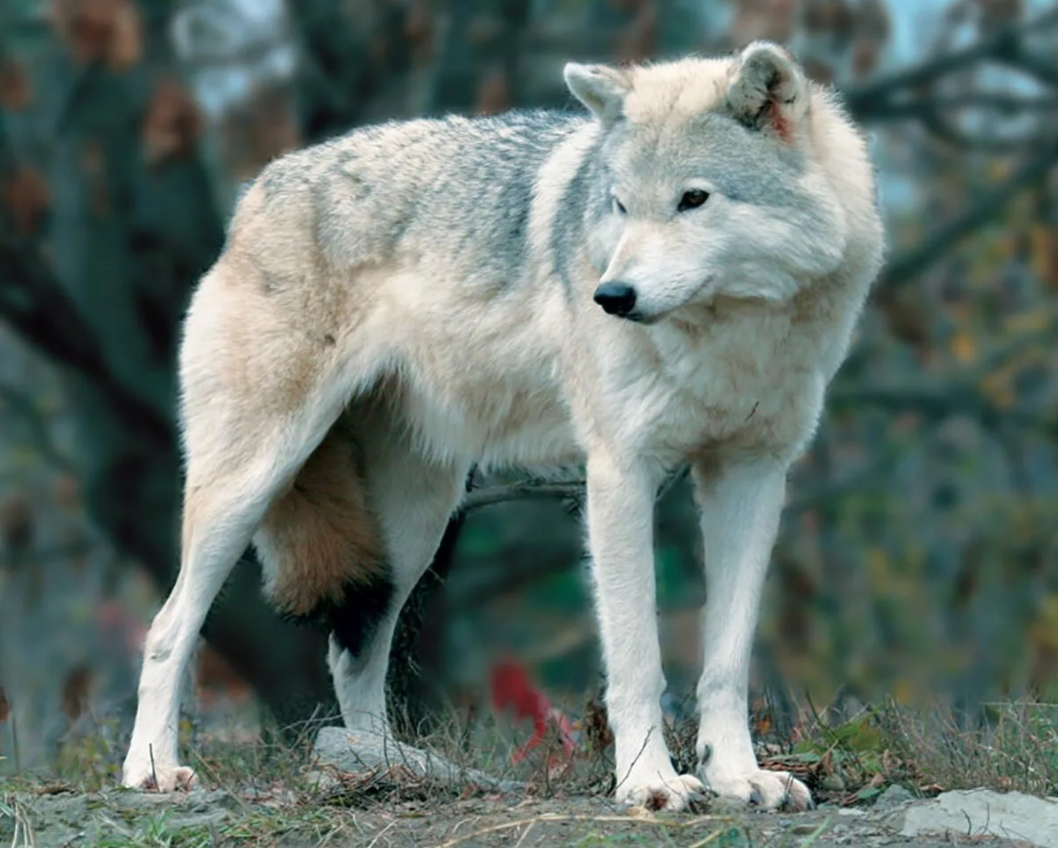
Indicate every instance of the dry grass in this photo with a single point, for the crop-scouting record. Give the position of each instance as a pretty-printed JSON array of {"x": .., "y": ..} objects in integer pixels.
[
  {"x": 1012, "y": 746},
  {"x": 271, "y": 801}
]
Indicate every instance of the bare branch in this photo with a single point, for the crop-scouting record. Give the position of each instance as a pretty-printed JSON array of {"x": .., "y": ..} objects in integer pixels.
[
  {"x": 564, "y": 490},
  {"x": 40, "y": 431},
  {"x": 939, "y": 403},
  {"x": 517, "y": 577},
  {"x": 73, "y": 550},
  {"x": 1035, "y": 65},
  {"x": 1004, "y": 103},
  {"x": 864, "y": 100},
  {"x": 948, "y": 132},
  {"x": 38, "y": 308},
  {"x": 902, "y": 269},
  {"x": 571, "y": 490}
]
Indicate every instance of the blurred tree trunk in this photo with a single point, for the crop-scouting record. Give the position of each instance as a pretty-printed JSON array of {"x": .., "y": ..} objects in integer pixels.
[{"x": 133, "y": 224}]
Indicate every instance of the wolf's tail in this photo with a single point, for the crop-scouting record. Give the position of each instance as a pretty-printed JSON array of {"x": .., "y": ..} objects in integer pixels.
[{"x": 319, "y": 539}]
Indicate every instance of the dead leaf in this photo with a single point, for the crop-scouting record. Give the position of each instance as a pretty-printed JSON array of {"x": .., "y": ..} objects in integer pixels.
[
  {"x": 493, "y": 94},
  {"x": 258, "y": 131},
  {"x": 173, "y": 123},
  {"x": 827, "y": 16},
  {"x": 596, "y": 726},
  {"x": 27, "y": 198},
  {"x": 419, "y": 32},
  {"x": 770, "y": 19},
  {"x": 5, "y": 706},
  {"x": 997, "y": 13},
  {"x": 865, "y": 55},
  {"x": 15, "y": 92},
  {"x": 109, "y": 31},
  {"x": 964, "y": 347},
  {"x": 75, "y": 689},
  {"x": 67, "y": 491},
  {"x": 16, "y": 523},
  {"x": 639, "y": 39}
]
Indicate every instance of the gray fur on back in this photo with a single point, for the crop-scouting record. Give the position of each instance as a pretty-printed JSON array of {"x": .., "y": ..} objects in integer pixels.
[{"x": 460, "y": 184}]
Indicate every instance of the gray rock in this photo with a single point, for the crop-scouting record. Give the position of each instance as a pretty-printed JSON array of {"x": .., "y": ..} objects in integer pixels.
[
  {"x": 894, "y": 796},
  {"x": 351, "y": 752},
  {"x": 981, "y": 812}
]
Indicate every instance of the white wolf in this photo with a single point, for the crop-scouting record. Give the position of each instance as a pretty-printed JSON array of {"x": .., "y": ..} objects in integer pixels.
[{"x": 671, "y": 280}]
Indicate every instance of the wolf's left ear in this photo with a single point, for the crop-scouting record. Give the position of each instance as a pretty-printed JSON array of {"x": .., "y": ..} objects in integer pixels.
[
  {"x": 599, "y": 87},
  {"x": 769, "y": 91}
]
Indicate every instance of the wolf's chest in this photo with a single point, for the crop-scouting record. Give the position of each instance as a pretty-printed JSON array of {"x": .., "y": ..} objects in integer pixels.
[{"x": 745, "y": 383}]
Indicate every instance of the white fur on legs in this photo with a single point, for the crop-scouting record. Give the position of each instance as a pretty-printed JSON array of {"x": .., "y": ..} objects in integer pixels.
[
  {"x": 222, "y": 508},
  {"x": 741, "y": 507},
  {"x": 152, "y": 758},
  {"x": 360, "y": 683},
  {"x": 620, "y": 527},
  {"x": 413, "y": 498}
]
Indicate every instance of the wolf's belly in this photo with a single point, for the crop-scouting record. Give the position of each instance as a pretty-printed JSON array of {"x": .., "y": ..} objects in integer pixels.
[{"x": 490, "y": 417}]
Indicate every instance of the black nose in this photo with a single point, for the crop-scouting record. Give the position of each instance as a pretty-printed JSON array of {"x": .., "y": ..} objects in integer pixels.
[{"x": 616, "y": 298}]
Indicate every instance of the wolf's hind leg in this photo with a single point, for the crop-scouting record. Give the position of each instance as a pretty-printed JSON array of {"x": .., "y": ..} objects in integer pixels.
[
  {"x": 413, "y": 497},
  {"x": 245, "y": 439},
  {"x": 223, "y": 504}
]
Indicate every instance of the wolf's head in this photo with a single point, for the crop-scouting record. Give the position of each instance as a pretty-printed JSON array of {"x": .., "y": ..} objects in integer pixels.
[{"x": 734, "y": 177}]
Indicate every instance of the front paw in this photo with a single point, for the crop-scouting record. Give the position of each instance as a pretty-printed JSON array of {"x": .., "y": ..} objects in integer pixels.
[
  {"x": 768, "y": 790},
  {"x": 140, "y": 774},
  {"x": 673, "y": 792}
]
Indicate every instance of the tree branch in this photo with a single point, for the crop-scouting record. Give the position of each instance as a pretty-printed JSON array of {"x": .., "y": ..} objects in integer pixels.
[
  {"x": 564, "y": 490},
  {"x": 998, "y": 101},
  {"x": 864, "y": 100},
  {"x": 571, "y": 490},
  {"x": 902, "y": 269},
  {"x": 948, "y": 132},
  {"x": 37, "y": 307},
  {"x": 40, "y": 432},
  {"x": 942, "y": 403},
  {"x": 1034, "y": 65}
]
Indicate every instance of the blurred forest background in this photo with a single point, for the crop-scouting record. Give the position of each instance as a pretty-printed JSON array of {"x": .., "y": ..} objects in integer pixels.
[{"x": 919, "y": 553}]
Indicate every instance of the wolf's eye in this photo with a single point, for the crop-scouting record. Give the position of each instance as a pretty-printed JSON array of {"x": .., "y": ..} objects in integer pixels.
[
  {"x": 692, "y": 199},
  {"x": 618, "y": 207}
]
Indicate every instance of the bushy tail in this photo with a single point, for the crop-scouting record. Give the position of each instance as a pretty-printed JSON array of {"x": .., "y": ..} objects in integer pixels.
[{"x": 319, "y": 538}]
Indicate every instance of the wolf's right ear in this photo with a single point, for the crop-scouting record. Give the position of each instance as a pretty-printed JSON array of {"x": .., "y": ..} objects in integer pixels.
[
  {"x": 769, "y": 91},
  {"x": 599, "y": 87}
]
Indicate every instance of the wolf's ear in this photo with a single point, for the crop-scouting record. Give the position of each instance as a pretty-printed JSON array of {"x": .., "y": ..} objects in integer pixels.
[
  {"x": 599, "y": 87},
  {"x": 769, "y": 91}
]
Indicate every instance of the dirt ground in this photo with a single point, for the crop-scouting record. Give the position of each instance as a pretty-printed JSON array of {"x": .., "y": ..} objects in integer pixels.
[{"x": 52, "y": 817}]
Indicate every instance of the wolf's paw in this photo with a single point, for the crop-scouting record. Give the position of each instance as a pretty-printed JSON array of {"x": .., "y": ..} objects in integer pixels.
[
  {"x": 139, "y": 775},
  {"x": 674, "y": 793},
  {"x": 768, "y": 790}
]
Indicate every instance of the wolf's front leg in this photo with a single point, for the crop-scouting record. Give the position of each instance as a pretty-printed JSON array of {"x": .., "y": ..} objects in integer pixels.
[
  {"x": 620, "y": 528},
  {"x": 741, "y": 506}
]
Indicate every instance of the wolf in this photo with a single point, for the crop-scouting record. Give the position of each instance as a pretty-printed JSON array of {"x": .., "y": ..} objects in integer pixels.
[{"x": 667, "y": 279}]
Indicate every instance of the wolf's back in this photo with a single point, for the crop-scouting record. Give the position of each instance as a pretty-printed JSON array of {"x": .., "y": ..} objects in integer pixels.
[{"x": 452, "y": 183}]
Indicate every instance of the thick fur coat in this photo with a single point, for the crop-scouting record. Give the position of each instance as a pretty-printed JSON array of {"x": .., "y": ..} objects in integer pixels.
[{"x": 670, "y": 279}]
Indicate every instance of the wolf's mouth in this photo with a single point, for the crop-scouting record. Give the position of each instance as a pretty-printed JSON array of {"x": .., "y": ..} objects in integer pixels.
[{"x": 692, "y": 300}]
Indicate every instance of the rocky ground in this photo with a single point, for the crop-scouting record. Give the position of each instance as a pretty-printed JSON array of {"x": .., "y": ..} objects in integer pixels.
[
  {"x": 221, "y": 817},
  {"x": 381, "y": 797}
]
